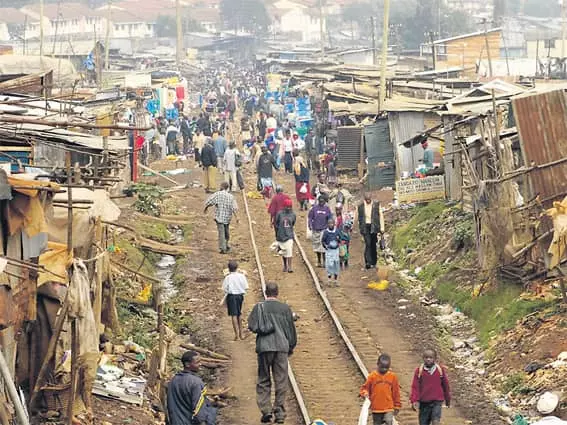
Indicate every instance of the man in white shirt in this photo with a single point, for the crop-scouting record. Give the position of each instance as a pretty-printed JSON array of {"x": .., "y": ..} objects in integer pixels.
[
  {"x": 271, "y": 123},
  {"x": 287, "y": 151},
  {"x": 547, "y": 405},
  {"x": 231, "y": 167},
  {"x": 235, "y": 286}
]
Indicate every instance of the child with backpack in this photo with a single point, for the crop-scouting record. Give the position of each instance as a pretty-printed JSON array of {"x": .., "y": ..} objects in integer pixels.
[
  {"x": 344, "y": 244},
  {"x": 429, "y": 389},
  {"x": 383, "y": 390}
]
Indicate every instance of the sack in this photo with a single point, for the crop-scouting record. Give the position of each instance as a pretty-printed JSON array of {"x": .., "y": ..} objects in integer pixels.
[
  {"x": 265, "y": 325},
  {"x": 382, "y": 243},
  {"x": 240, "y": 180},
  {"x": 303, "y": 188},
  {"x": 207, "y": 414},
  {"x": 238, "y": 160},
  {"x": 308, "y": 232}
]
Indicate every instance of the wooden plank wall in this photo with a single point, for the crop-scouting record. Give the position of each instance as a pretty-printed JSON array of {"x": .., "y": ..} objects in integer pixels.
[{"x": 467, "y": 51}]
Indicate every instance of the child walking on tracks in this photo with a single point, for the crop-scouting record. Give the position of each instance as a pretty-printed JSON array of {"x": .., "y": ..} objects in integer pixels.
[
  {"x": 330, "y": 239},
  {"x": 429, "y": 389},
  {"x": 383, "y": 390}
]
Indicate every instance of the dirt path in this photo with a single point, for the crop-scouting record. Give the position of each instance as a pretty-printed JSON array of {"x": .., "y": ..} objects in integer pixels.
[
  {"x": 326, "y": 374},
  {"x": 375, "y": 323},
  {"x": 201, "y": 295}
]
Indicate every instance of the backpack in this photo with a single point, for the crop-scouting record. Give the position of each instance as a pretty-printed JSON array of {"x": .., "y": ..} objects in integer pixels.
[
  {"x": 237, "y": 160},
  {"x": 422, "y": 366}
]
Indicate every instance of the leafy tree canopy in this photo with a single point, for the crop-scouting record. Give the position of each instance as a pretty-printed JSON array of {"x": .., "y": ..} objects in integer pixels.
[{"x": 249, "y": 15}]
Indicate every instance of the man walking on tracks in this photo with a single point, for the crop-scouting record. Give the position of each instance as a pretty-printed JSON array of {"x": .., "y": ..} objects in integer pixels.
[
  {"x": 370, "y": 223},
  {"x": 272, "y": 322},
  {"x": 226, "y": 207},
  {"x": 209, "y": 163},
  {"x": 285, "y": 222},
  {"x": 277, "y": 204}
]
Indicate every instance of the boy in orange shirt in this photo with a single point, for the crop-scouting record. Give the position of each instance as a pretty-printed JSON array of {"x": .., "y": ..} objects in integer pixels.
[{"x": 383, "y": 390}]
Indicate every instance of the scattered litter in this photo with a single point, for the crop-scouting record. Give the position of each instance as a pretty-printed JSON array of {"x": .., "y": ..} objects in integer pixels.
[
  {"x": 403, "y": 301},
  {"x": 417, "y": 270},
  {"x": 176, "y": 172},
  {"x": 379, "y": 286},
  {"x": 254, "y": 194}
]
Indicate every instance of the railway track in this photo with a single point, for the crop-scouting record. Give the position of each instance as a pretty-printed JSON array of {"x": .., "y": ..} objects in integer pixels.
[{"x": 326, "y": 370}]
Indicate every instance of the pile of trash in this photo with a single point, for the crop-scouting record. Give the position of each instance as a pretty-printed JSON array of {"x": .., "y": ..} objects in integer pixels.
[{"x": 119, "y": 372}]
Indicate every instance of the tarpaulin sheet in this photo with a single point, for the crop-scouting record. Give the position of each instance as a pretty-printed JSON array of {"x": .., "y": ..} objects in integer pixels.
[
  {"x": 56, "y": 260},
  {"x": 83, "y": 220}
]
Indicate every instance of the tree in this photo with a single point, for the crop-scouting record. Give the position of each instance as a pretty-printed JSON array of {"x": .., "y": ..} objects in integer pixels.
[
  {"x": 359, "y": 14},
  {"x": 248, "y": 15},
  {"x": 166, "y": 26}
]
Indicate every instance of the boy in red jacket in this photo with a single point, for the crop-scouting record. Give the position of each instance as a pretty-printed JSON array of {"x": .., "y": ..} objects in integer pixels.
[
  {"x": 383, "y": 390},
  {"x": 430, "y": 387}
]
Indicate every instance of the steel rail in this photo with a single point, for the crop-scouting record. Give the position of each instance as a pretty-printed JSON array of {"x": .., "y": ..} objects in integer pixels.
[{"x": 291, "y": 376}]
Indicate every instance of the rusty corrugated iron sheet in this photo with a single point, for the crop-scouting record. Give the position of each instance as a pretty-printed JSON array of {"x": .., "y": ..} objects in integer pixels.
[
  {"x": 541, "y": 120},
  {"x": 349, "y": 143}
]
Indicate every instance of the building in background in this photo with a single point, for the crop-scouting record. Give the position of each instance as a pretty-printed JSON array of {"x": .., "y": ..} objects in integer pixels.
[{"x": 464, "y": 51}]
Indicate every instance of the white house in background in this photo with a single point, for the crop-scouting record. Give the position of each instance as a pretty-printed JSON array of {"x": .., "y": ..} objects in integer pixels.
[
  {"x": 290, "y": 17},
  {"x": 12, "y": 24},
  {"x": 132, "y": 19},
  {"x": 208, "y": 17},
  {"x": 61, "y": 19},
  {"x": 127, "y": 25}
]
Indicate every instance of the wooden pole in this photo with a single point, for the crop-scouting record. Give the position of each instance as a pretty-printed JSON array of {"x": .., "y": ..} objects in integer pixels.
[
  {"x": 74, "y": 336},
  {"x": 321, "y": 29},
  {"x": 107, "y": 35},
  {"x": 19, "y": 120},
  {"x": 563, "y": 30},
  {"x": 143, "y": 167},
  {"x": 179, "y": 26},
  {"x": 384, "y": 58},
  {"x": 373, "y": 29},
  {"x": 489, "y": 57},
  {"x": 40, "y": 28},
  {"x": 12, "y": 391},
  {"x": 434, "y": 52},
  {"x": 50, "y": 351}
]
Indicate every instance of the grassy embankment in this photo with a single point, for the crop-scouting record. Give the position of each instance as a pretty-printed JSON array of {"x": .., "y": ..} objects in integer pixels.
[
  {"x": 440, "y": 239},
  {"x": 134, "y": 304}
]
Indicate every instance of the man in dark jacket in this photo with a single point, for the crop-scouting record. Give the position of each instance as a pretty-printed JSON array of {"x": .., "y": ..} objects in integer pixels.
[
  {"x": 209, "y": 163},
  {"x": 186, "y": 402},
  {"x": 370, "y": 223},
  {"x": 266, "y": 164},
  {"x": 186, "y": 133},
  {"x": 273, "y": 347}
]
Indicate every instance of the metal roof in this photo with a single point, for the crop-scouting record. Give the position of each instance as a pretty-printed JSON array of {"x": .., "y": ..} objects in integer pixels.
[{"x": 460, "y": 37}]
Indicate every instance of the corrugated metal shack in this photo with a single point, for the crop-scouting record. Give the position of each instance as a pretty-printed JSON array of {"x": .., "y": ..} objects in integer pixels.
[{"x": 542, "y": 127}]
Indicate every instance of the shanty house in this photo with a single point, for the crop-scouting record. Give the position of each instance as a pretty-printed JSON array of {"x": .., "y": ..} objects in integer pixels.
[
  {"x": 464, "y": 50},
  {"x": 12, "y": 23}
]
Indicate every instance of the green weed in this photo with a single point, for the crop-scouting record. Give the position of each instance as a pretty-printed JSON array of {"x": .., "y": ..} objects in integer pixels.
[
  {"x": 513, "y": 382},
  {"x": 495, "y": 311},
  {"x": 417, "y": 230},
  {"x": 155, "y": 231}
]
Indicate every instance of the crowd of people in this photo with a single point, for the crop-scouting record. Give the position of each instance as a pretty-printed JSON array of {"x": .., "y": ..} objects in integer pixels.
[{"x": 273, "y": 146}]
